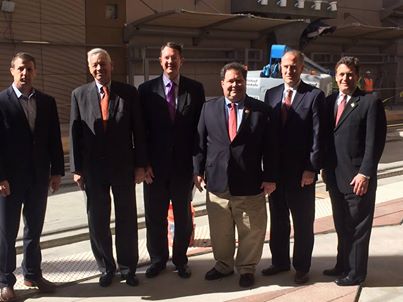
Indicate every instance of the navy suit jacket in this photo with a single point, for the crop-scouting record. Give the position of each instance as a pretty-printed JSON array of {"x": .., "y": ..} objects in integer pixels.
[
  {"x": 356, "y": 144},
  {"x": 108, "y": 155},
  {"x": 26, "y": 156},
  {"x": 300, "y": 139},
  {"x": 170, "y": 144},
  {"x": 243, "y": 164}
]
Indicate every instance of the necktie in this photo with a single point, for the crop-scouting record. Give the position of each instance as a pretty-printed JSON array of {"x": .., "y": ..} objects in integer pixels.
[
  {"x": 171, "y": 99},
  {"x": 340, "y": 107},
  {"x": 105, "y": 105},
  {"x": 286, "y": 106},
  {"x": 232, "y": 122}
]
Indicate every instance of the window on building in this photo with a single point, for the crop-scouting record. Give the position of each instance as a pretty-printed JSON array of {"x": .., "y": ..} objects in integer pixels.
[{"x": 111, "y": 11}]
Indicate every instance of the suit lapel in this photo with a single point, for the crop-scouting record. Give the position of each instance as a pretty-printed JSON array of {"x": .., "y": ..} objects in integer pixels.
[
  {"x": 245, "y": 116},
  {"x": 299, "y": 95},
  {"x": 93, "y": 98},
  {"x": 182, "y": 96},
  {"x": 18, "y": 107},
  {"x": 113, "y": 102},
  {"x": 221, "y": 118}
]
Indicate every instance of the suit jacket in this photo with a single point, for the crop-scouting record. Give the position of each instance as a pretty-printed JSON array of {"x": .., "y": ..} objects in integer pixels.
[
  {"x": 27, "y": 156},
  {"x": 300, "y": 137},
  {"x": 356, "y": 144},
  {"x": 106, "y": 155},
  {"x": 235, "y": 165},
  {"x": 170, "y": 144}
]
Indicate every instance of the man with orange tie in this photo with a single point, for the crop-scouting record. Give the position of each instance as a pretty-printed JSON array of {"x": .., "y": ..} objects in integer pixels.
[
  {"x": 107, "y": 152},
  {"x": 355, "y": 135},
  {"x": 235, "y": 159},
  {"x": 295, "y": 112}
]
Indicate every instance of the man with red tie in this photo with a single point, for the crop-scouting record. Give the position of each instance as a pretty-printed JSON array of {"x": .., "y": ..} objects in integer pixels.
[
  {"x": 234, "y": 140},
  {"x": 356, "y": 136},
  {"x": 108, "y": 153},
  {"x": 295, "y": 112}
]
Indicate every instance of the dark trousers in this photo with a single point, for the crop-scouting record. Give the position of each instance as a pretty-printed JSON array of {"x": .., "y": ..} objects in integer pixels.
[
  {"x": 32, "y": 200},
  {"x": 126, "y": 237},
  {"x": 300, "y": 202},
  {"x": 156, "y": 202},
  {"x": 353, "y": 216}
]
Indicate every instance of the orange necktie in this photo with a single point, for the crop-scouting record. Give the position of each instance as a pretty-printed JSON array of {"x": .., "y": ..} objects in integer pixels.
[
  {"x": 105, "y": 105},
  {"x": 232, "y": 122}
]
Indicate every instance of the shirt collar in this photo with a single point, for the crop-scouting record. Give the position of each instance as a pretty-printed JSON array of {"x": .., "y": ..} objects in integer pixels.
[
  {"x": 240, "y": 104},
  {"x": 99, "y": 86},
  {"x": 18, "y": 93},
  {"x": 166, "y": 80}
]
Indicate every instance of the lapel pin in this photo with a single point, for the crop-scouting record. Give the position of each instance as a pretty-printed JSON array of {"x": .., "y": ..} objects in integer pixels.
[
  {"x": 247, "y": 111},
  {"x": 352, "y": 105}
]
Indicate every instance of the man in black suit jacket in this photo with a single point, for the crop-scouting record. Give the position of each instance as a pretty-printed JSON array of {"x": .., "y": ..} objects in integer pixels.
[
  {"x": 172, "y": 105},
  {"x": 107, "y": 152},
  {"x": 236, "y": 158},
  {"x": 31, "y": 161},
  {"x": 295, "y": 110},
  {"x": 355, "y": 141}
]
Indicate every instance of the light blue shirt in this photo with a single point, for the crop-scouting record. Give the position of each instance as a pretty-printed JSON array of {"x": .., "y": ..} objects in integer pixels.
[{"x": 239, "y": 106}]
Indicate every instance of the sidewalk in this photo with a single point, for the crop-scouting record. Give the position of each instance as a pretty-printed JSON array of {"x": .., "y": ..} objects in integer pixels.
[{"x": 73, "y": 268}]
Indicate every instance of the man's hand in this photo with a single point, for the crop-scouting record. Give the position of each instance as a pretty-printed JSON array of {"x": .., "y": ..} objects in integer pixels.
[
  {"x": 199, "y": 182},
  {"x": 268, "y": 187},
  {"x": 139, "y": 175},
  {"x": 4, "y": 188},
  {"x": 149, "y": 175},
  {"x": 360, "y": 184},
  {"x": 54, "y": 183},
  {"x": 308, "y": 177},
  {"x": 79, "y": 180}
]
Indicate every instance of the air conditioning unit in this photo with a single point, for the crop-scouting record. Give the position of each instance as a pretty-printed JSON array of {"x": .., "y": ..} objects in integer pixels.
[{"x": 7, "y": 6}]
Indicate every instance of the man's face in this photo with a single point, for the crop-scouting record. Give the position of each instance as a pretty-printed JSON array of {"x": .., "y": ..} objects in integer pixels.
[
  {"x": 100, "y": 68},
  {"x": 291, "y": 69},
  {"x": 23, "y": 73},
  {"x": 234, "y": 85},
  {"x": 346, "y": 79},
  {"x": 171, "y": 62}
]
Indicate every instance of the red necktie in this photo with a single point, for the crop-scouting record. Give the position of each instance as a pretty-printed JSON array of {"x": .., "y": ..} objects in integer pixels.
[
  {"x": 286, "y": 106},
  {"x": 232, "y": 122},
  {"x": 340, "y": 107},
  {"x": 105, "y": 105}
]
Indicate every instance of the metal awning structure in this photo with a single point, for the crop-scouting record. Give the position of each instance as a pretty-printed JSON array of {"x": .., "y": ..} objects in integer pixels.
[
  {"x": 356, "y": 31},
  {"x": 200, "y": 24}
]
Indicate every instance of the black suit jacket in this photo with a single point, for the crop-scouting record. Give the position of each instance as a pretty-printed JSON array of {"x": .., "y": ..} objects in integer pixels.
[
  {"x": 356, "y": 144},
  {"x": 27, "y": 157},
  {"x": 300, "y": 137},
  {"x": 170, "y": 144},
  {"x": 243, "y": 164},
  {"x": 106, "y": 155}
]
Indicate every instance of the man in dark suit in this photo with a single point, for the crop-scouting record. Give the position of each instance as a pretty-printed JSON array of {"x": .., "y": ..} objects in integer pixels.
[
  {"x": 234, "y": 140},
  {"x": 355, "y": 141},
  {"x": 295, "y": 110},
  {"x": 172, "y": 105},
  {"x": 31, "y": 161},
  {"x": 107, "y": 152}
]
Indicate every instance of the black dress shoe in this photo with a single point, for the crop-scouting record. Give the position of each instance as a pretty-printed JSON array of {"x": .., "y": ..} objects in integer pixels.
[
  {"x": 184, "y": 271},
  {"x": 272, "y": 270},
  {"x": 348, "y": 281},
  {"x": 301, "y": 277},
  {"x": 131, "y": 279},
  {"x": 154, "y": 270},
  {"x": 247, "y": 280},
  {"x": 7, "y": 294},
  {"x": 333, "y": 272},
  {"x": 106, "y": 279},
  {"x": 213, "y": 274},
  {"x": 44, "y": 286}
]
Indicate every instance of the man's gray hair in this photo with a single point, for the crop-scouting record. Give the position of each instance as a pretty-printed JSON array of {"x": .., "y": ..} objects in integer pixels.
[{"x": 96, "y": 51}]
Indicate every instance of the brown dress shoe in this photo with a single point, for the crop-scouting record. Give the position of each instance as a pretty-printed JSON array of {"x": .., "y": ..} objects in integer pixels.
[
  {"x": 42, "y": 284},
  {"x": 7, "y": 294}
]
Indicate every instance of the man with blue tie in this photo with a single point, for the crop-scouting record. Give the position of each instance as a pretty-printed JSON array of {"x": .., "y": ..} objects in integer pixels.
[
  {"x": 171, "y": 105},
  {"x": 235, "y": 159}
]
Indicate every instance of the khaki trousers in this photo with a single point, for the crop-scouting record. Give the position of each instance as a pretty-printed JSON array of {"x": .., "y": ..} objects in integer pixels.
[{"x": 248, "y": 214}]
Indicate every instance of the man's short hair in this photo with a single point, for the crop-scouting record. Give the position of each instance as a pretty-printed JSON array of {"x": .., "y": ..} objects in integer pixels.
[
  {"x": 351, "y": 62},
  {"x": 24, "y": 56},
  {"x": 172, "y": 45},
  {"x": 235, "y": 66},
  {"x": 297, "y": 53},
  {"x": 96, "y": 51}
]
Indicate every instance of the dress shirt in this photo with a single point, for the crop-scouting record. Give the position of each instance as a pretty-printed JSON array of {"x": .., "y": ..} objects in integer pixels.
[
  {"x": 239, "y": 106},
  {"x": 338, "y": 101},
  {"x": 28, "y": 104}
]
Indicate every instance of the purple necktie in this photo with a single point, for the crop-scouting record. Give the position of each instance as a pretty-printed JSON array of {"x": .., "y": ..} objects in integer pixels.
[{"x": 171, "y": 99}]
